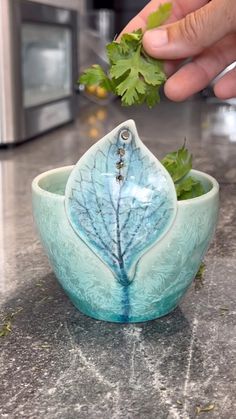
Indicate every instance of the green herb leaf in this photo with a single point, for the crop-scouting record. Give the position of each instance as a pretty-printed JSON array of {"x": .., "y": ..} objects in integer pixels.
[
  {"x": 224, "y": 311},
  {"x": 132, "y": 74},
  {"x": 156, "y": 19},
  {"x": 189, "y": 188},
  {"x": 201, "y": 271},
  {"x": 178, "y": 163},
  {"x": 152, "y": 96},
  {"x": 131, "y": 89},
  {"x": 138, "y": 79},
  {"x": 199, "y": 279},
  {"x": 209, "y": 408},
  {"x": 131, "y": 41},
  {"x": 95, "y": 75},
  {"x": 114, "y": 52},
  {"x": 6, "y": 328}
]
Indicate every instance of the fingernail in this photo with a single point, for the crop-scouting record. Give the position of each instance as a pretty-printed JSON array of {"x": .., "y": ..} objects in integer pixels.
[{"x": 156, "y": 38}]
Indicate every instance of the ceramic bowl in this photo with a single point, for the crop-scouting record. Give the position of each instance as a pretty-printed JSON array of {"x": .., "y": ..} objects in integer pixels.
[{"x": 121, "y": 245}]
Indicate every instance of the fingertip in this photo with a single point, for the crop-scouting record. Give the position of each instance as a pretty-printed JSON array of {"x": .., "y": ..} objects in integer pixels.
[
  {"x": 225, "y": 87},
  {"x": 148, "y": 43},
  {"x": 172, "y": 91},
  {"x": 220, "y": 91},
  {"x": 164, "y": 44}
]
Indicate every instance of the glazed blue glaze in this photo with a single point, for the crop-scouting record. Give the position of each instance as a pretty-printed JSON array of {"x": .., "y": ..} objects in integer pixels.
[
  {"x": 160, "y": 263},
  {"x": 120, "y": 200}
]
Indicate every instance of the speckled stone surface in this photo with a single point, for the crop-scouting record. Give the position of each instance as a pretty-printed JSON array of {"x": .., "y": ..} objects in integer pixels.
[{"x": 58, "y": 363}]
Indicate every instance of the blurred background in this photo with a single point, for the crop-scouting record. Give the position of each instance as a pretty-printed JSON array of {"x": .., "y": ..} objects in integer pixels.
[{"x": 44, "y": 46}]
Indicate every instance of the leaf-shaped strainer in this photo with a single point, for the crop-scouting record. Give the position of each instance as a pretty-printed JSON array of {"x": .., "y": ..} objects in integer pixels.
[{"x": 120, "y": 200}]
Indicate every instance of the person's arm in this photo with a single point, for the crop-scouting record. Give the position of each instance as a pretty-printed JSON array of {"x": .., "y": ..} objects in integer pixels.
[{"x": 200, "y": 29}]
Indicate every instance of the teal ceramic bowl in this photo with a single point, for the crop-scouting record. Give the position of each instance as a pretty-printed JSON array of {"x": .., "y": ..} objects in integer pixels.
[{"x": 160, "y": 266}]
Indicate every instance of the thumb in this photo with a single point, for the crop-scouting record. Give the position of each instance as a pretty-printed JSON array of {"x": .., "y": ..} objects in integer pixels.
[{"x": 197, "y": 31}]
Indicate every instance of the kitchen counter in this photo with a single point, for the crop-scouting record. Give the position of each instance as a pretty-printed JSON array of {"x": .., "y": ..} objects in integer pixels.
[{"x": 58, "y": 363}]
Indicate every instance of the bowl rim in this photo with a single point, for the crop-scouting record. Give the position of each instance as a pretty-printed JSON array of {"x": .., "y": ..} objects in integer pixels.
[{"x": 40, "y": 191}]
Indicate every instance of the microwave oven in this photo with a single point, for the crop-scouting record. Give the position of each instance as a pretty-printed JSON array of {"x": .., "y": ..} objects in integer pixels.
[{"x": 38, "y": 68}]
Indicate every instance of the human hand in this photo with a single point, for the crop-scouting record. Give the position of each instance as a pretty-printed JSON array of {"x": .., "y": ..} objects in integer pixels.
[{"x": 198, "y": 29}]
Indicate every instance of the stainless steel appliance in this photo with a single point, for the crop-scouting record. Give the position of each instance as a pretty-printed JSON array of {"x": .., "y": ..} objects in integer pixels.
[{"x": 38, "y": 68}]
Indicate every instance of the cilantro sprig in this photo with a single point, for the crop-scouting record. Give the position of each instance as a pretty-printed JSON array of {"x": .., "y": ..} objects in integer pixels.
[
  {"x": 179, "y": 164},
  {"x": 156, "y": 19},
  {"x": 131, "y": 74}
]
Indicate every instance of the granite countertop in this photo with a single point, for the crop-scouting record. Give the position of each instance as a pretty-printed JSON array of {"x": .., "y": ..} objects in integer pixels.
[{"x": 58, "y": 363}]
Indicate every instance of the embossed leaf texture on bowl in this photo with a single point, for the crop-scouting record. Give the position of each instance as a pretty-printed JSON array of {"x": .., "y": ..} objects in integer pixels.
[{"x": 120, "y": 200}]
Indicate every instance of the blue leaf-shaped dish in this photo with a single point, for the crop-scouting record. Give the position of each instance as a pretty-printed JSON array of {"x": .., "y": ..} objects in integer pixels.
[{"x": 120, "y": 200}]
